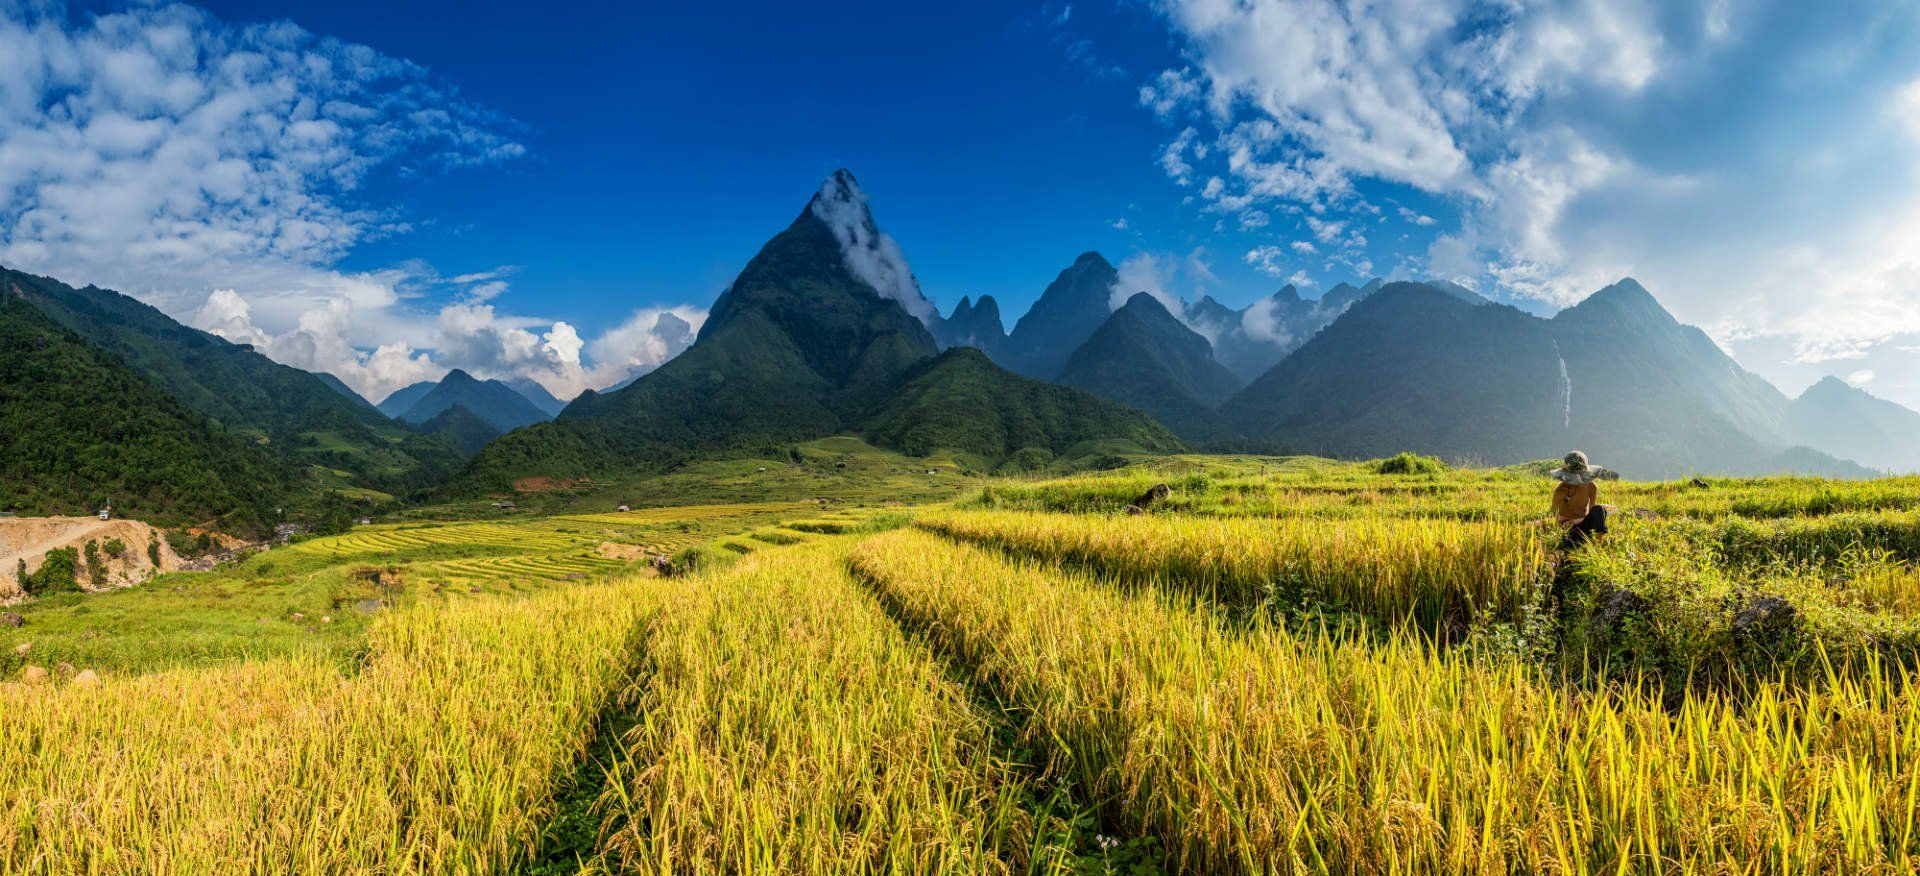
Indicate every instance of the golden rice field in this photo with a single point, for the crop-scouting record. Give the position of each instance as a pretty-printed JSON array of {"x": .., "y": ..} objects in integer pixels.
[{"x": 1291, "y": 666}]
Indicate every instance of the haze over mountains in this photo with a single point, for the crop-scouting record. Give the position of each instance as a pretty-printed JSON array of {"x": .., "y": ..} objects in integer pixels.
[{"x": 825, "y": 331}]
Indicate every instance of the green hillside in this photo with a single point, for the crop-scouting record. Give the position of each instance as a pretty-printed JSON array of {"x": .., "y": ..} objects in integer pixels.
[
  {"x": 963, "y": 402},
  {"x": 294, "y": 415},
  {"x": 79, "y": 428},
  {"x": 462, "y": 428},
  {"x": 1145, "y": 358}
]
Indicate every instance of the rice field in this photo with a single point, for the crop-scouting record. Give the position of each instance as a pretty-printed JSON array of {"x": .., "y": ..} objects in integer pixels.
[{"x": 1287, "y": 666}]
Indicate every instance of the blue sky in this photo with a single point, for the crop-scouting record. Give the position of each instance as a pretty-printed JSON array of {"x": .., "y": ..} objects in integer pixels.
[{"x": 389, "y": 190}]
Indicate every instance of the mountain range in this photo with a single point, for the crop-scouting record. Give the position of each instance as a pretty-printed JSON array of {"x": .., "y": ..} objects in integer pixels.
[{"x": 825, "y": 331}]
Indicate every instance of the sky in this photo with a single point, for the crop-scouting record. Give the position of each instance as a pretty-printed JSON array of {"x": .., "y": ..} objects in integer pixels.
[{"x": 387, "y": 191}]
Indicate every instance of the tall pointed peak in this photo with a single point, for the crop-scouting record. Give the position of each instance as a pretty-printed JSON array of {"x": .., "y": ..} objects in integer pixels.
[
  {"x": 986, "y": 305},
  {"x": 1091, "y": 258},
  {"x": 457, "y": 377},
  {"x": 962, "y": 310},
  {"x": 1287, "y": 294},
  {"x": 870, "y": 254}
]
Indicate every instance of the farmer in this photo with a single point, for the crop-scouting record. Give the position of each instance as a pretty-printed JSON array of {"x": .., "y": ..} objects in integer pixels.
[{"x": 1576, "y": 501}]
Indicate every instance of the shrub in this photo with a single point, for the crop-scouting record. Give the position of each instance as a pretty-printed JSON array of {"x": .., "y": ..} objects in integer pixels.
[
  {"x": 114, "y": 548},
  {"x": 1410, "y": 463},
  {"x": 56, "y": 573},
  {"x": 153, "y": 552},
  {"x": 96, "y": 567}
]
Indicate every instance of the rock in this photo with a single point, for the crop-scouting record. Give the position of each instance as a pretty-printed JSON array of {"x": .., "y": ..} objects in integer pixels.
[
  {"x": 367, "y": 606},
  {"x": 63, "y": 669},
  {"x": 326, "y": 618},
  {"x": 86, "y": 678},
  {"x": 1153, "y": 496},
  {"x": 1643, "y": 514},
  {"x": 12, "y": 619},
  {"x": 1614, "y": 611},
  {"x": 298, "y": 617},
  {"x": 22, "y": 648},
  {"x": 1765, "y": 620},
  {"x": 34, "y": 675},
  {"x": 1132, "y": 509},
  {"x": 1699, "y": 483}
]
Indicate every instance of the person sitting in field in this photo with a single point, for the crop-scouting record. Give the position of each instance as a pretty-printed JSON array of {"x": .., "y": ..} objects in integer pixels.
[{"x": 1576, "y": 501}]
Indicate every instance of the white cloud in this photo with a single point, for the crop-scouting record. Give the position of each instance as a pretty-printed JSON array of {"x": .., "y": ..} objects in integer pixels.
[
  {"x": 1860, "y": 378},
  {"x": 215, "y": 171},
  {"x": 1269, "y": 260},
  {"x": 1304, "y": 247},
  {"x": 871, "y": 254}
]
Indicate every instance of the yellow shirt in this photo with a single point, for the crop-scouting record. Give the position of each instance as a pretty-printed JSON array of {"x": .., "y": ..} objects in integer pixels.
[{"x": 1572, "y": 502}]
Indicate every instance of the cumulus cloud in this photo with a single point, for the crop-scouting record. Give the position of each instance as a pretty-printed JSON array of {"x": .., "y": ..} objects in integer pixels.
[
  {"x": 1554, "y": 130},
  {"x": 1269, "y": 260},
  {"x": 217, "y": 171}
]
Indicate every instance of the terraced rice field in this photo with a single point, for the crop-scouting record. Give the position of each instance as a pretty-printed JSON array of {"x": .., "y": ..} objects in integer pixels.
[{"x": 1034, "y": 683}]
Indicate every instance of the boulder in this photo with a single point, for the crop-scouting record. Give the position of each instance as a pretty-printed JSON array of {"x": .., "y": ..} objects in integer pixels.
[
  {"x": 12, "y": 619},
  {"x": 1765, "y": 620},
  {"x": 86, "y": 678},
  {"x": 22, "y": 648},
  {"x": 34, "y": 675},
  {"x": 63, "y": 669},
  {"x": 1153, "y": 496},
  {"x": 1614, "y": 612}
]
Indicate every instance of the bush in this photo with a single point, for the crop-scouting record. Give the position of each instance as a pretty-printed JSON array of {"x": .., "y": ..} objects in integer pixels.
[
  {"x": 56, "y": 573},
  {"x": 153, "y": 552},
  {"x": 96, "y": 567},
  {"x": 1410, "y": 463},
  {"x": 114, "y": 548}
]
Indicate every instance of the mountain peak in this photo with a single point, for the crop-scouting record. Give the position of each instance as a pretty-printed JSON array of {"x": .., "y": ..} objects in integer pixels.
[
  {"x": 870, "y": 254},
  {"x": 1287, "y": 295},
  {"x": 1625, "y": 298},
  {"x": 1091, "y": 258}
]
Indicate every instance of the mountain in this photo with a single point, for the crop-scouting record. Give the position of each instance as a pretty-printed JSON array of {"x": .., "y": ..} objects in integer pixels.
[
  {"x": 813, "y": 333},
  {"x": 1414, "y": 367},
  {"x": 1856, "y": 425},
  {"x": 494, "y": 402},
  {"x": 293, "y": 414},
  {"x": 974, "y": 325},
  {"x": 1068, "y": 312},
  {"x": 961, "y": 401},
  {"x": 79, "y": 428},
  {"x": 339, "y": 386},
  {"x": 1146, "y": 358},
  {"x": 405, "y": 397},
  {"x": 462, "y": 428},
  {"x": 532, "y": 391},
  {"x": 1253, "y": 339}
]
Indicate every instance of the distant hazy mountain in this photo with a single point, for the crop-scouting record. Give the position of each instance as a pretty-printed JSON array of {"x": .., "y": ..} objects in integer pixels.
[
  {"x": 818, "y": 335},
  {"x": 1068, "y": 312},
  {"x": 963, "y": 401},
  {"x": 494, "y": 402},
  {"x": 79, "y": 428},
  {"x": 1253, "y": 339},
  {"x": 1144, "y": 357},
  {"x": 462, "y": 428},
  {"x": 403, "y": 398},
  {"x": 1414, "y": 367},
  {"x": 295, "y": 416},
  {"x": 339, "y": 386},
  {"x": 1854, "y": 424},
  {"x": 974, "y": 325},
  {"x": 532, "y": 391}
]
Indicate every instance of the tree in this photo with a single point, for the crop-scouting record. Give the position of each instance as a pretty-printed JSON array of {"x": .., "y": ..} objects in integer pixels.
[
  {"x": 96, "y": 567},
  {"x": 56, "y": 572}
]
